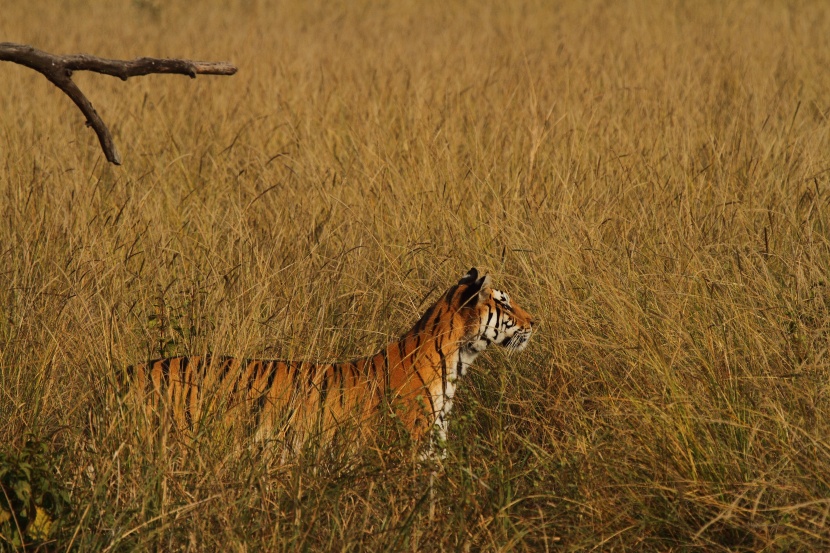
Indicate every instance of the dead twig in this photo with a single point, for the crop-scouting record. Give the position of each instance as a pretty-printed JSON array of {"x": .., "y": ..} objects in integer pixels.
[{"x": 58, "y": 69}]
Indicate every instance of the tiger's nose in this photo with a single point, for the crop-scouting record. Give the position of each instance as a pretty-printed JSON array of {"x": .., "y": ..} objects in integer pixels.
[{"x": 532, "y": 322}]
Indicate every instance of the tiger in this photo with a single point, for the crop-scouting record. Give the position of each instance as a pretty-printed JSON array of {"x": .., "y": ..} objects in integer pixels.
[{"x": 413, "y": 378}]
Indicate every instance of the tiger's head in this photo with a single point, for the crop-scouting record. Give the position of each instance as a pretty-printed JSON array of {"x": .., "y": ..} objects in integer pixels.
[{"x": 492, "y": 317}]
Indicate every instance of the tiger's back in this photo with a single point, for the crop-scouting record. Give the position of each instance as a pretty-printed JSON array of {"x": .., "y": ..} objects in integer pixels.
[{"x": 275, "y": 399}]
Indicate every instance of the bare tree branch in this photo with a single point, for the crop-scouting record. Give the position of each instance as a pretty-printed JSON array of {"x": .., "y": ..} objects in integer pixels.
[{"x": 58, "y": 69}]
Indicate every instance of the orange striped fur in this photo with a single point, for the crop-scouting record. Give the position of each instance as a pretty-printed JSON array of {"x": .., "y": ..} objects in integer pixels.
[{"x": 288, "y": 401}]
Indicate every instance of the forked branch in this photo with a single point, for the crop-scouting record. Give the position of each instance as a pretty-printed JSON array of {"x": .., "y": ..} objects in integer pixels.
[{"x": 58, "y": 69}]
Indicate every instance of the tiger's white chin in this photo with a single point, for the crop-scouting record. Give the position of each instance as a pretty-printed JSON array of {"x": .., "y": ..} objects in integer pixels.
[{"x": 518, "y": 342}]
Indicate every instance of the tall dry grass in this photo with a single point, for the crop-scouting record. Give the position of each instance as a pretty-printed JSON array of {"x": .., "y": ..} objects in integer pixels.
[{"x": 650, "y": 180}]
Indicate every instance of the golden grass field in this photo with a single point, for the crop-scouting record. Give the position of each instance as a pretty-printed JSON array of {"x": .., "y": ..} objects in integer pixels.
[{"x": 650, "y": 180}]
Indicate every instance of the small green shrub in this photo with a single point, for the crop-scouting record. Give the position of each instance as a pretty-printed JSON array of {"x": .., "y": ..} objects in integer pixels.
[{"x": 32, "y": 498}]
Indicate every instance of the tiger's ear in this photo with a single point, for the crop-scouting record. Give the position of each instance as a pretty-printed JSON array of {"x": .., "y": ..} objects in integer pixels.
[
  {"x": 478, "y": 288},
  {"x": 470, "y": 277},
  {"x": 484, "y": 289}
]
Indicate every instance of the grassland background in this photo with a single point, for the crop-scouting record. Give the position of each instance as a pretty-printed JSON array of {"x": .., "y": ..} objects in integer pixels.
[{"x": 649, "y": 179}]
